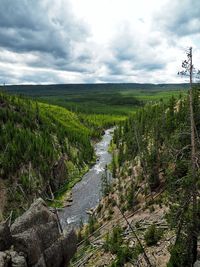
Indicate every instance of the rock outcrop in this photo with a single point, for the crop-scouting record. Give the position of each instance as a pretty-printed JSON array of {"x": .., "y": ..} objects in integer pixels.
[
  {"x": 5, "y": 236},
  {"x": 59, "y": 173},
  {"x": 34, "y": 240}
]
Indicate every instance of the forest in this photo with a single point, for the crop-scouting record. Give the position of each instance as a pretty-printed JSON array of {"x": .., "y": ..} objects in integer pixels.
[
  {"x": 36, "y": 139},
  {"x": 157, "y": 138},
  {"x": 99, "y": 133},
  {"x": 111, "y": 99},
  {"x": 47, "y": 148},
  {"x": 152, "y": 172}
]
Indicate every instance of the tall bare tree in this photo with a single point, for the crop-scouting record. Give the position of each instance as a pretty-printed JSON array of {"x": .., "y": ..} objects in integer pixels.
[{"x": 189, "y": 70}]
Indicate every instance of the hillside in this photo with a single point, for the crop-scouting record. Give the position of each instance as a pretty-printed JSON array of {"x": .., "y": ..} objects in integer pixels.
[
  {"x": 40, "y": 145},
  {"x": 147, "y": 213}
]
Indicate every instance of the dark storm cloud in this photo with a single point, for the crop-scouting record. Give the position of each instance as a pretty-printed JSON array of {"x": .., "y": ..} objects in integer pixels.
[
  {"x": 132, "y": 53},
  {"x": 180, "y": 17},
  {"x": 40, "y": 77},
  {"x": 151, "y": 66},
  {"x": 22, "y": 40},
  {"x": 6, "y": 77},
  {"x": 21, "y": 14},
  {"x": 47, "y": 61},
  {"x": 28, "y": 26},
  {"x": 41, "y": 41},
  {"x": 116, "y": 68}
]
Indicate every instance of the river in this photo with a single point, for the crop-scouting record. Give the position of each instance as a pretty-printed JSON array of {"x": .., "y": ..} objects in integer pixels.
[{"x": 87, "y": 193}]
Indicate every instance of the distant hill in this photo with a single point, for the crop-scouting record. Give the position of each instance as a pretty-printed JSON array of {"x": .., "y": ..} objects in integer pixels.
[
  {"x": 109, "y": 98},
  {"x": 55, "y": 89}
]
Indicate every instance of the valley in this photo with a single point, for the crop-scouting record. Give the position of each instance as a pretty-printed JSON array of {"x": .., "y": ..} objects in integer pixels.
[
  {"x": 99, "y": 133},
  {"x": 70, "y": 148}
]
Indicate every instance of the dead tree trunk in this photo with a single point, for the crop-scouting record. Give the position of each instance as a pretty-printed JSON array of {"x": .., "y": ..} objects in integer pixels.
[{"x": 193, "y": 166}]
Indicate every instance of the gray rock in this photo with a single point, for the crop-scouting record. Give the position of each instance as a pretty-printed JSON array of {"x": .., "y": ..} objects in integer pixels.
[
  {"x": 53, "y": 255},
  {"x": 4, "y": 259},
  {"x": 40, "y": 263},
  {"x": 34, "y": 240},
  {"x": 47, "y": 233},
  {"x": 37, "y": 214},
  {"x": 59, "y": 172},
  {"x": 17, "y": 259},
  {"x": 5, "y": 236},
  {"x": 36, "y": 234},
  {"x": 197, "y": 264},
  {"x": 69, "y": 246},
  {"x": 28, "y": 243}
]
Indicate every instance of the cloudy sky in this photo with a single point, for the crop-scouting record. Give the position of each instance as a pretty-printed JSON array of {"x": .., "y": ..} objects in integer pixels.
[{"x": 94, "y": 41}]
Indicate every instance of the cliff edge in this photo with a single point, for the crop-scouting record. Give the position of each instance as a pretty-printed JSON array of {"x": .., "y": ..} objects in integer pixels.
[{"x": 34, "y": 240}]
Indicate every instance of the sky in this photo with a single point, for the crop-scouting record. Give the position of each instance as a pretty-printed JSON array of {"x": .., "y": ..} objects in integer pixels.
[{"x": 97, "y": 41}]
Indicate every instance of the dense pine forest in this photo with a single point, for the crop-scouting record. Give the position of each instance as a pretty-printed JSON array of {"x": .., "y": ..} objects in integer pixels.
[
  {"x": 113, "y": 100},
  {"x": 153, "y": 188},
  {"x": 157, "y": 138},
  {"x": 40, "y": 146},
  {"x": 99, "y": 133},
  {"x": 46, "y": 148}
]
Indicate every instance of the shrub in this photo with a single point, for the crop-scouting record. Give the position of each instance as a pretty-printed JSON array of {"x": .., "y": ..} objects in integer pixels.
[
  {"x": 92, "y": 224},
  {"x": 137, "y": 225},
  {"x": 100, "y": 206},
  {"x": 151, "y": 209},
  {"x": 179, "y": 255},
  {"x": 152, "y": 235},
  {"x": 114, "y": 240},
  {"x": 114, "y": 244},
  {"x": 110, "y": 211},
  {"x": 113, "y": 202}
]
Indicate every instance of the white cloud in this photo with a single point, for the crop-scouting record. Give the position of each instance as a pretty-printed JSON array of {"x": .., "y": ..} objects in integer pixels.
[{"x": 61, "y": 41}]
